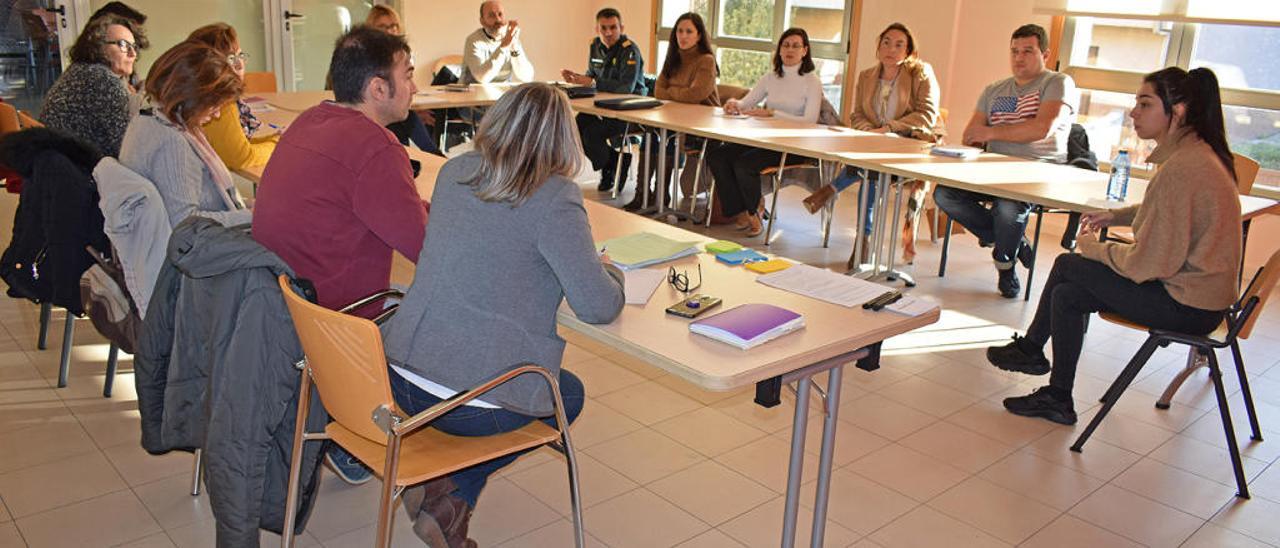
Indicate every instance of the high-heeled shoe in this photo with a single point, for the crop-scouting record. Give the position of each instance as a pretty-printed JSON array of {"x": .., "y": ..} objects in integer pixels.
[
  {"x": 754, "y": 227},
  {"x": 819, "y": 198}
]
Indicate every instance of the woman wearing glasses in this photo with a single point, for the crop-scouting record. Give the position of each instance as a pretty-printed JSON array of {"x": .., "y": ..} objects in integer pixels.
[
  {"x": 510, "y": 206},
  {"x": 187, "y": 86},
  {"x": 92, "y": 99},
  {"x": 792, "y": 91},
  {"x": 232, "y": 132}
]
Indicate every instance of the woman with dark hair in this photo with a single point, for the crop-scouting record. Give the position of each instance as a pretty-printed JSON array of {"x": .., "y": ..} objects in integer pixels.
[
  {"x": 188, "y": 85},
  {"x": 1180, "y": 273},
  {"x": 688, "y": 76},
  {"x": 92, "y": 99},
  {"x": 898, "y": 95},
  {"x": 231, "y": 133},
  {"x": 792, "y": 91},
  {"x": 508, "y": 206}
]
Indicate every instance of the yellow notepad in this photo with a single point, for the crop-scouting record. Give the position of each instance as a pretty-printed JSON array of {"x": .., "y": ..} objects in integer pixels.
[{"x": 771, "y": 265}]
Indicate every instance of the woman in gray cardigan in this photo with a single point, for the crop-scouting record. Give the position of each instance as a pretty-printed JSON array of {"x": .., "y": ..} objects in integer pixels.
[
  {"x": 187, "y": 86},
  {"x": 508, "y": 240}
]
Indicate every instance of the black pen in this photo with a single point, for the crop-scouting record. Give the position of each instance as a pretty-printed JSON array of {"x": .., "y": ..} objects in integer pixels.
[
  {"x": 879, "y": 298},
  {"x": 891, "y": 300}
]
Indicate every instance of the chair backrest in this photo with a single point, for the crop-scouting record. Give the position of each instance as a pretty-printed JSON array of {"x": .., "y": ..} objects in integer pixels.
[
  {"x": 260, "y": 82},
  {"x": 1246, "y": 172},
  {"x": 346, "y": 361},
  {"x": 1262, "y": 286},
  {"x": 726, "y": 92},
  {"x": 9, "y": 121},
  {"x": 445, "y": 61}
]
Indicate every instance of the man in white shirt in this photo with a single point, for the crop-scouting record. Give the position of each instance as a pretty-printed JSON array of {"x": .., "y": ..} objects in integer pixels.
[{"x": 493, "y": 52}]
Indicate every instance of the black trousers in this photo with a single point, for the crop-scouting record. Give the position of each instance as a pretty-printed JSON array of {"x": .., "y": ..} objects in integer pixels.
[
  {"x": 1078, "y": 287},
  {"x": 596, "y": 132},
  {"x": 737, "y": 172}
]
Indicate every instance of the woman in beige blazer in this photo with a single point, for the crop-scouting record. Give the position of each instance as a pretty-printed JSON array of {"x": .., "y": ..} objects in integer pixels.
[{"x": 898, "y": 95}]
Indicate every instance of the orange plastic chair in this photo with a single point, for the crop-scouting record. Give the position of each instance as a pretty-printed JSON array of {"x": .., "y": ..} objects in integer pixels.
[
  {"x": 1238, "y": 324},
  {"x": 345, "y": 360},
  {"x": 260, "y": 82}
]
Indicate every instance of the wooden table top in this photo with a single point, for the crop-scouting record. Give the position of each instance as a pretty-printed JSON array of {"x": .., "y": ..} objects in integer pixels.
[{"x": 648, "y": 333}]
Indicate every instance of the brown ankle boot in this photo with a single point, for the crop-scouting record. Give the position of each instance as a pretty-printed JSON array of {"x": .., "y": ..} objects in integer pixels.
[
  {"x": 818, "y": 200},
  {"x": 439, "y": 518}
]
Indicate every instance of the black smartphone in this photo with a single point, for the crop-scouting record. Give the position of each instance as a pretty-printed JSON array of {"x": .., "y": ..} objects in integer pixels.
[
  {"x": 417, "y": 167},
  {"x": 694, "y": 306}
]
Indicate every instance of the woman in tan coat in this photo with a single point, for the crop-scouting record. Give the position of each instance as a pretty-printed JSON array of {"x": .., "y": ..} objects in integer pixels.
[
  {"x": 898, "y": 95},
  {"x": 1180, "y": 273},
  {"x": 688, "y": 75}
]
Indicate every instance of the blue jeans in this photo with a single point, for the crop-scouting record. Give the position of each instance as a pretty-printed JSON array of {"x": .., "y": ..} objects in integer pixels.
[
  {"x": 846, "y": 179},
  {"x": 479, "y": 421},
  {"x": 1003, "y": 224}
]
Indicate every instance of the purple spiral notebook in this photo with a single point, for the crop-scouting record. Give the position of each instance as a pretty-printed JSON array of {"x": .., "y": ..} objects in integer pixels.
[{"x": 748, "y": 325}]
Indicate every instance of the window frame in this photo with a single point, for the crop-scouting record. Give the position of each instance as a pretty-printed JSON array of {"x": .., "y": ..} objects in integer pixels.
[
  {"x": 1182, "y": 42},
  {"x": 836, "y": 51}
]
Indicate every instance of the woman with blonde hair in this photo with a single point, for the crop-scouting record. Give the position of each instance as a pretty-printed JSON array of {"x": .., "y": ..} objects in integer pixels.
[
  {"x": 413, "y": 128},
  {"x": 232, "y": 133},
  {"x": 507, "y": 242},
  {"x": 898, "y": 95},
  {"x": 187, "y": 86},
  {"x": 385, "y": 19}
]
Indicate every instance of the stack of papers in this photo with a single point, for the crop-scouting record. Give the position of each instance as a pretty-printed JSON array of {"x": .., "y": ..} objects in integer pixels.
[
  {"x": 749, "y": 325},
  {"x": 956, "y": 151},
  {"x": 912, "y": 306},
  {"x": 644, "y": 249},
  {"x": 847, "y": 291}
]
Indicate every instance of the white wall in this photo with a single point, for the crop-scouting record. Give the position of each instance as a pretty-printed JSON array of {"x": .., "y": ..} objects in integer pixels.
[
  {"x": 555, "y": 33},
  {"x": 966, "y": 41}
]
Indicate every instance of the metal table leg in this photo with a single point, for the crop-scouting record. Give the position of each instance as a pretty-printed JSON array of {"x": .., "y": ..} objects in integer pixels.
[{"x": 831, "y": 404}]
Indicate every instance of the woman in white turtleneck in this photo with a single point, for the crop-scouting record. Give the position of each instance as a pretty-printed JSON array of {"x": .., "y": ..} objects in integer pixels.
[{"x": 791, "y": 90}]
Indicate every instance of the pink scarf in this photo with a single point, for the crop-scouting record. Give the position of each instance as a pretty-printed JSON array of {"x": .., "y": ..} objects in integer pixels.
[{"x": 217, "y": 169}]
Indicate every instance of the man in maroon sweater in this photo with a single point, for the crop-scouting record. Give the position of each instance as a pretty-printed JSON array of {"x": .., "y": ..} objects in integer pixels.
[{"x": 337, "y": 196}]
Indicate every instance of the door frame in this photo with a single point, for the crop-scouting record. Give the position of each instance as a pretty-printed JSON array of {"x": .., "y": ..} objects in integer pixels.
[{"x": 280, "y": 56}]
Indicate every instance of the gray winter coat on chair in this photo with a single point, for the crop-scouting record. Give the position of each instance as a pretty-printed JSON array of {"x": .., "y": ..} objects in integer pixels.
[{"x": 215, "y": 370}]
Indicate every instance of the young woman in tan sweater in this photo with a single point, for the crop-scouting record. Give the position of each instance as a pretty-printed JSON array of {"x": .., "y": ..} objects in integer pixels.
[
  {"x": 1181, "y": 271},
  {"x": 688, "y": 76}
]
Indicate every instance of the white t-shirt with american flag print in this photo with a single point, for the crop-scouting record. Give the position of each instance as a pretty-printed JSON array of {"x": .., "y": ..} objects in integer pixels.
[{"x": 1005, "y": 102}]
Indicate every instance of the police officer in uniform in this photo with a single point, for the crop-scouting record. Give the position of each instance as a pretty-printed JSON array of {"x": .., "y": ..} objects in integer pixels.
[{"x": 615, "y": 66}]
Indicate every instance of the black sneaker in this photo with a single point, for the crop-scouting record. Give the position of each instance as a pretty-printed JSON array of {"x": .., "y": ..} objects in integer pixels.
[
  {"x": 1017, "y": 357},
  {"x": 606, "y": 181},
  {"x": 1008, "y": 283},
  {"x": 1026, "y": 255},
  {"x": 1046, "y": 402}
]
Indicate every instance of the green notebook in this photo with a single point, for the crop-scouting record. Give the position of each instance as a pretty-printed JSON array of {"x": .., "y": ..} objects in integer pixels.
[
  {"x": 722, "y": 246},
  {"x": 645, "y": 248}
]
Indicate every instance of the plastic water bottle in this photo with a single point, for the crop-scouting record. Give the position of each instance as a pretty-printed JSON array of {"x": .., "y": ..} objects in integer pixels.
[{"x": 1118, "y": 185}]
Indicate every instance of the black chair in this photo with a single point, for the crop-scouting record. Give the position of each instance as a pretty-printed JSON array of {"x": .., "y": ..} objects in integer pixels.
[
  {"x": 1238, "y": 324},
  {"x": 1078, "y": 155}
]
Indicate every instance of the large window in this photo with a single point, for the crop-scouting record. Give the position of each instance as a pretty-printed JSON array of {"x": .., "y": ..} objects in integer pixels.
[
  {"x": 1108, "y": 57},
  {"x": 743, "y": 33}
]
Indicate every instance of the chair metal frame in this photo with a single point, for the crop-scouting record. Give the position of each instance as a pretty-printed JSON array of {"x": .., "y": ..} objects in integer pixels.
[
  {"x": 1238, "y": 318},
  {"x": 397, "y": 426}
]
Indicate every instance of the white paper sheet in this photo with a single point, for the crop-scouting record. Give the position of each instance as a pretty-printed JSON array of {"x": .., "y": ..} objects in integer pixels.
[
  {"x": 640, "y": 284},
  {"x": 824, "y": 285},
  {"x": 912, "y": 306}
]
